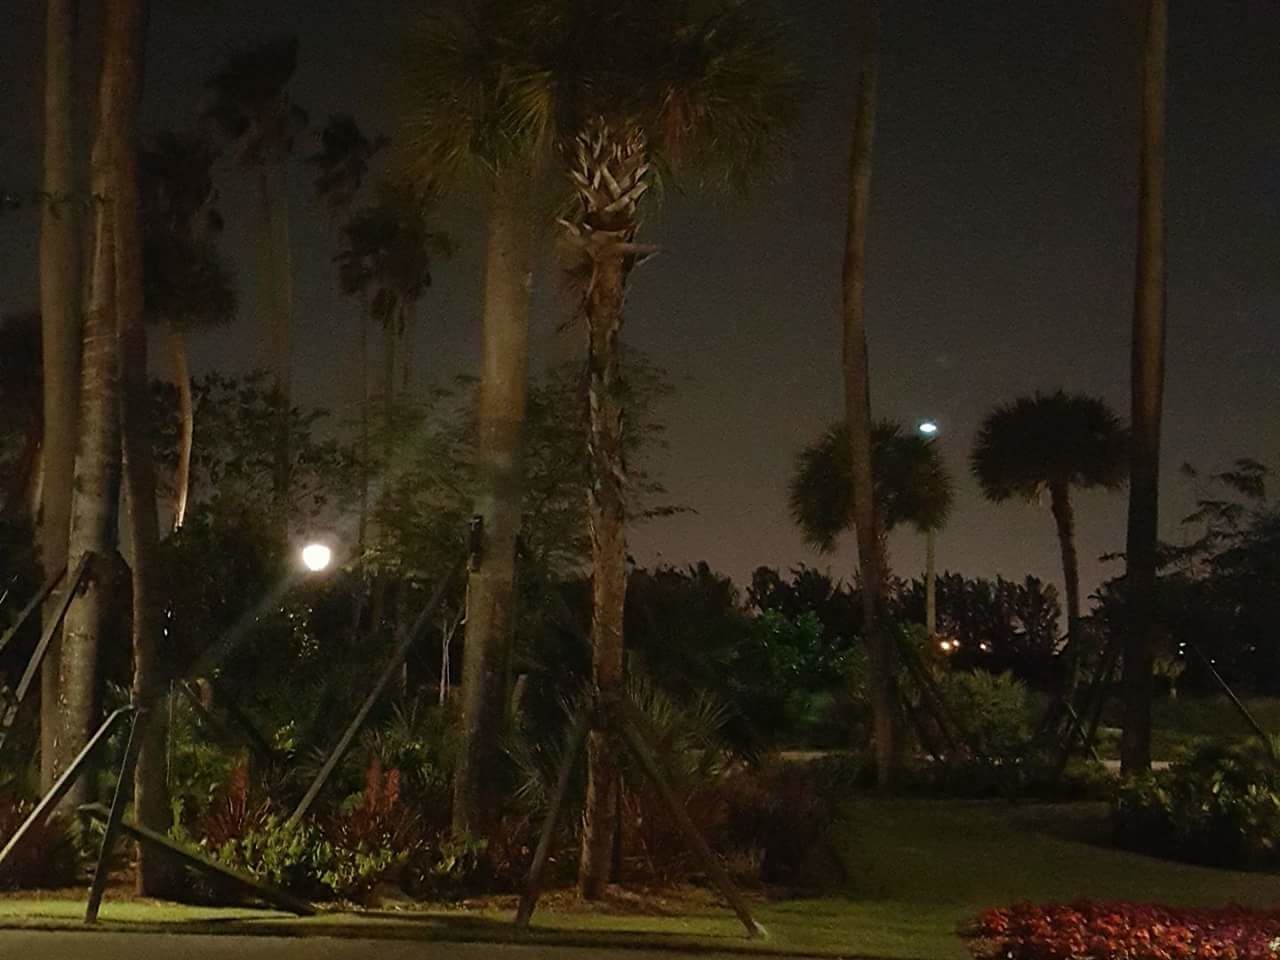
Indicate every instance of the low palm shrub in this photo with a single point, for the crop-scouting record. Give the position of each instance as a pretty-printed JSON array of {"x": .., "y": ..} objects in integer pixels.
[{"x": 1220, "y": 807}]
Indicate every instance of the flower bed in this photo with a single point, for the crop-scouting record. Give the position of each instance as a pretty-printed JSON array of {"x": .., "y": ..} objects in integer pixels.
[{"x": 1089, "y": 930}]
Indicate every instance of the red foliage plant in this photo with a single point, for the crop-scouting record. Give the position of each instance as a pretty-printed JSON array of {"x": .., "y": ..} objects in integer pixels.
[
  {"x": 234, "y": 814},
  {"x": 47, "y": 857},
  {"x": 1091, "y": 930}
]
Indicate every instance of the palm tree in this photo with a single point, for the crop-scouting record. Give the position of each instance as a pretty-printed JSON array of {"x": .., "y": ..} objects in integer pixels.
[
  {"x": 60, "y": 289},
  {"x": 1050, "y": 443},
  {"x": 251, "y": 108},
  {"x": 624, "y": 88},
  {"x": 1147, "y": 397},
  {"x": 342, "y": 162},
  {"x": 911, "y": 482},
  {"x": 96, "y": 485},
  {"x": 187, "y": 282},
  {"x": 385, "y": 263},
  {"x": 460, "y": 132},
  {"x": 872, "y": 561}
]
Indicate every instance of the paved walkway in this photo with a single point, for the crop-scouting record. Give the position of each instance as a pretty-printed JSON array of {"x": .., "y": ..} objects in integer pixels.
[{"x": 23, "y": 945}]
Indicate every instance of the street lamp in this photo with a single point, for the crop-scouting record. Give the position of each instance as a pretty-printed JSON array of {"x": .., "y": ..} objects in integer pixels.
[
  {"x": 316, "y": 557},
  {"x": 929, "y": 430}
]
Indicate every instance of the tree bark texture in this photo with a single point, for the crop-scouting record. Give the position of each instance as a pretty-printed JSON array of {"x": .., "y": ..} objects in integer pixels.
[
  {"x": 1147, "y": 384},
  {"x": 857, "y": 387},
  {"x": 60, "y": 299},
  {"x": 96, "y": 487},
  {"x": 490, "y": 617}
]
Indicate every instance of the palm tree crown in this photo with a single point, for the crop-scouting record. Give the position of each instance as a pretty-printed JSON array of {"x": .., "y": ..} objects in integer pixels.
[
  {"x": 912, "y": 484},
  {"x": 1032, "y": 444}
]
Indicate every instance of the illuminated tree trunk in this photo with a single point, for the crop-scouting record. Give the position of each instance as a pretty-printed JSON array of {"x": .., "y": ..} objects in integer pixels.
[
  {"x": 1147, "y": 383},
  {"x": 186, "y": 424},
  {"x": 60, "y": 291},
  {"x": 857, "y": 389},
  {"x": 490, "y": 616},
  {"x": 1065, "y": 519}
]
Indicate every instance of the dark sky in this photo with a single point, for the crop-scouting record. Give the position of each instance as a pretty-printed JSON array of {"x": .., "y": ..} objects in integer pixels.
[{"x": 1001, "y": 249}]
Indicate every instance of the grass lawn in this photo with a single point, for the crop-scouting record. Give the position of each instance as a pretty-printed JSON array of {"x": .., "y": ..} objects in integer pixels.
[
  {"x": 1180, "y": 726},
  {"x": 917, "y": 869}
]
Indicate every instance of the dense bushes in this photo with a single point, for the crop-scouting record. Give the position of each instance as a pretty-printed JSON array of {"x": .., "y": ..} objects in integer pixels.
[
  {"x": 1220, "y": 807},
  {"x": 1123, "y": 931},
  {"x": 47, "y": 858}
]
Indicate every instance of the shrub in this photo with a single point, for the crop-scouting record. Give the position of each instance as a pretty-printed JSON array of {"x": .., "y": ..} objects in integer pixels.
[
  {"x": 1221, "y": 807},
  {"x": 1123, "y": 931},
  {"x": 992, "y": 710},
  {"x": 48, "y": 857}
]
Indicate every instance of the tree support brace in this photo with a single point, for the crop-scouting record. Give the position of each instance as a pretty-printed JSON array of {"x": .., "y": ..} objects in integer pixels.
[{"x": 634, "y": 741}]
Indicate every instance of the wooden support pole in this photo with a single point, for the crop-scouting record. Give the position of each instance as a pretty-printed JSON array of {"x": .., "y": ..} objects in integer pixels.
[
  {"x": 533, "y": 884},
  {"x": 710, "y": 862},
  {"x": 932, "y": 696},
  {"x": 265, "y": 891},
  {"x": 408, "y": 639},
  {"x": 124, "y": 788}
]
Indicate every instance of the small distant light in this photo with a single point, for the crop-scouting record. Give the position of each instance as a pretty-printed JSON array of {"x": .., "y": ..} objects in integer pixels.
[
  {"x": 316, "y": 557},
  {"x": 928, "y": 427},
  {"x": 984, "y": 647}
]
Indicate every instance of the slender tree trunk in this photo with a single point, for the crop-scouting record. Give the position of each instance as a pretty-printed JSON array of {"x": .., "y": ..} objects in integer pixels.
[
  {"x": 606, "y": 521},
  {"x": 1065, "y": 518},
  {"x": 273, "y": 185},
  {"x": 19, "y": 498},
  {"x": 491, "y": 589},
  {"x": 857, "y": 389},
  {"x": 1147, "y": 381},
  {"x": 367, "y": 389},
  {"x": 127, "y": 21},
  {"x": 60, "y": 298},
  {"x": 96, "y": 488},
  {"x": 931, "y": 583},
  {"x": 186, "y": 424}
]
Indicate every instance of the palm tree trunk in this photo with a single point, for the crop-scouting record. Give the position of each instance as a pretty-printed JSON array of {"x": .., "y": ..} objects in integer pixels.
[
  {"x": 125, "y": 42},
  {"x": 606, "y": 521},
  {"x": 367, "y": 389},
  {"x": 186, "y": 424},
  {"x": 60, "y": 298},
  {"x": 857, "y": 389},
  {"x": 1147, "y": 382},
  {"x": 96, "y": 487},
  {"x": 1065, "y": 518},
  {"x": 19, "y": 498},
  {"x": 931, "y": 583},
  {"x": 491, "y": 587}
]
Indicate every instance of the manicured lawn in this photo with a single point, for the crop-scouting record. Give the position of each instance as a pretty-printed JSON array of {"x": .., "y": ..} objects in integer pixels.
[
  {"x": 917, "y": 869},
  {"x": 1180, "y": 726}
]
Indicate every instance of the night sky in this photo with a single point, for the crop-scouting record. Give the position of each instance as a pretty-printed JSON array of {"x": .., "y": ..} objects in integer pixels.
[{"x": 1001, "y": 259}]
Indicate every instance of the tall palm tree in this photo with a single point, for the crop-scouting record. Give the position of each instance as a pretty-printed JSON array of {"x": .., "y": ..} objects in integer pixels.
[
  {"x": 1050, "y": 443},
  {"x": 115, "y": 280},
  {"x": 252, "y": 109},
  {"x": 462, "y": 133},
  {"x": 872, "y": 561},
  {"x": 124, "y": 46},
  {"x": 60, "y": 290},
  {"x": 385, "y": 262},
  {"x": 624, "y": 88},
  {"x": 187, "y": 282},
  {"x": 911, "y": 482},
  {"x": 342, "y": 161},
  {"x": 1147, "y": 384}
]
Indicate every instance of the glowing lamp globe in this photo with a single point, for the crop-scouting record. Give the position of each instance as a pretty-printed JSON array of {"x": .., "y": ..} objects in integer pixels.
[
  {"x": 929, "y": 428},
  {"x": 316, "y": 557}
]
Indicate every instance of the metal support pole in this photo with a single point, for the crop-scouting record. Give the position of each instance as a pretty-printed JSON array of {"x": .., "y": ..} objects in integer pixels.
[
  {"x": 64, "y": 782},
  {"x": 111, "y": 831},
  {"x": 388, "y": 674},
  {"x": 1239, "y": 705},
  {"x": 533, "y": 884}
]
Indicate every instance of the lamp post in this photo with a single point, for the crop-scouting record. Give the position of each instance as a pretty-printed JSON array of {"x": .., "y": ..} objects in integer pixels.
[{"x": 929, "y": 429}]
